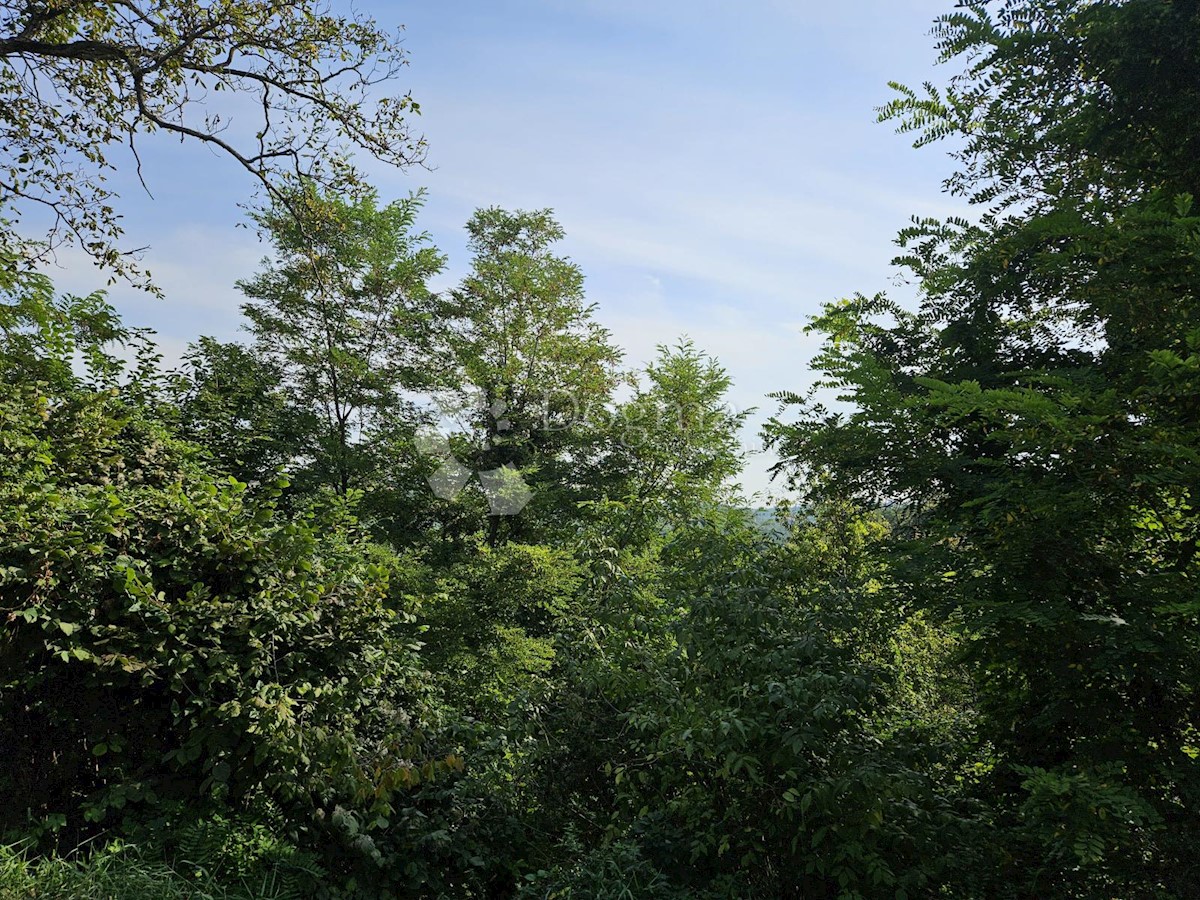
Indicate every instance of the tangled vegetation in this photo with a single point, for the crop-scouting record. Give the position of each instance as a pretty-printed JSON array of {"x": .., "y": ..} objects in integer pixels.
[{"x": 422, "y": 594}]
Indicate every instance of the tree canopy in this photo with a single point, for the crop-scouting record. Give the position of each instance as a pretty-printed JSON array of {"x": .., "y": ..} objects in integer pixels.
[
  {"x": 1034, "y": 423},
  {"x": 423, "y": 593},
  {"x": 79, "y": 79}
]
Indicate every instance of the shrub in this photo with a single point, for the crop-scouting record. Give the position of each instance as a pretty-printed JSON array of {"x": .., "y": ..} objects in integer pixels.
[{"x": 168, "y": 639}]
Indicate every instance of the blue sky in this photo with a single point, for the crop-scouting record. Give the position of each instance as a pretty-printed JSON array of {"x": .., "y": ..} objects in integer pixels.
[{"x": 717, "y": 168}]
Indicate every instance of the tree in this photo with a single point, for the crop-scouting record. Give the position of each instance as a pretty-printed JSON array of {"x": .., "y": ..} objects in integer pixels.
[
  {"x": 1036, "y": 423},
  {"x": 719, "y": 729},
  {"x": 674, "y": 443},
  {"x": 534, "y": 366},
  {"x": 230, "y": 400},
  {"x": 345, "y": 312},
  {"x": 40, "y": 333},
  {"x": 77, "y": 78}
]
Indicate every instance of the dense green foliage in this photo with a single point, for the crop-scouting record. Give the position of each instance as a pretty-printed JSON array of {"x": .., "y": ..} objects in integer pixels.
[
  {"x": 423, "y": 594},
  {"x": 170, "y": 640},
  {"x": 1036, "y": 419}
]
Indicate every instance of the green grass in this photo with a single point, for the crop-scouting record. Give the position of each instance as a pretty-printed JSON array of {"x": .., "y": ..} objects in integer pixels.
[{"x": 123, "y": 873}]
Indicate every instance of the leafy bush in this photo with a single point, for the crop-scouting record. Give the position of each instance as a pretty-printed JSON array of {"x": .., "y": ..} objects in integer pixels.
[
  {"x": 758, "y": 769},
  {"x": 492, "y": 623},
  {"x": 168, "y": 640},
  {"x": 717, "y": 730},
  {"x": 615, "y": 872}
]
